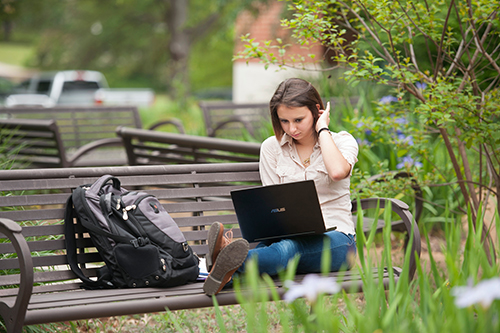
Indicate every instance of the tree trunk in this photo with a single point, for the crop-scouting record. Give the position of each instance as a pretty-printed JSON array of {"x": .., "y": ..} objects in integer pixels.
[
  {"x": 7, "y": 30},
  {"x": 179, "y": 46},
  {"x": 181, "y": 40}
]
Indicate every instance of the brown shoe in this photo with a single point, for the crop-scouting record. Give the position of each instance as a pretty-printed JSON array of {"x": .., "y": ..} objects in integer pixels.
[
  {"x": 230, "y": 258},
  {"x": 216, "y": 242}
]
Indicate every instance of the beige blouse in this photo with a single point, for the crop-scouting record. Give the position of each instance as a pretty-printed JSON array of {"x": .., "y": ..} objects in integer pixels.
[{"x": 280, "y": 163}]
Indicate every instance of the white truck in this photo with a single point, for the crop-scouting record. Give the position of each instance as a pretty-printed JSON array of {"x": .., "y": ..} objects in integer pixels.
[{"x": 48, "y": 89}]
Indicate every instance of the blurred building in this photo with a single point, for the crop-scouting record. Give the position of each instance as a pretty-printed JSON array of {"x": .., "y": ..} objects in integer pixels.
[{"x": 252, "y": 82}]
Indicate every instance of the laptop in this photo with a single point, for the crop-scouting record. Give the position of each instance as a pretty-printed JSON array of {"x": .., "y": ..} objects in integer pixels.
[{"x": 278, "y": 211}]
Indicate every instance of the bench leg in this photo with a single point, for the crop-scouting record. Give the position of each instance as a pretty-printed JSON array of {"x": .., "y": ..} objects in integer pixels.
[{"x": 12, "y": 323}]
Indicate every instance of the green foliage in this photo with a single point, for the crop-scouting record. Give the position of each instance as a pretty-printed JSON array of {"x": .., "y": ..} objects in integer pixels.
[
  {"x": 441, "y": 60},
  {"x": 189, "y": 113},
  {"x": 129, "y": 40},
  {"x": 8, "y": 157},
  {"x": 210, "y": 63}
]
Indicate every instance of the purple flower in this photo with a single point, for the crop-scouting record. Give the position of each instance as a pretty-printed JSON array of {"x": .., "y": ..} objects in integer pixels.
[
  {"x": 421, "y": 85},
  {"x": 401, "y": 120},
  {"x": 367, "y": 131},
  {"x": 405, "y": 139},
  {"x": 363, "y": 142},
  {"x": 388, "y": 99},
  {"x": 408, "y": 162}
]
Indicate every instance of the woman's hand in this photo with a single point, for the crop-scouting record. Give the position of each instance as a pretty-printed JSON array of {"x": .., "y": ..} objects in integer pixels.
[
  {"x": 336, "y": 165},
  {"x": 324, "y": 118}
]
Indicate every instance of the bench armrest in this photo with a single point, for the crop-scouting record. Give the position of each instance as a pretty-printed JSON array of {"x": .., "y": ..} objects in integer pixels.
[
  {"x": 212, "y": 132},
  {"x": 14, "y": 316},
  {"x": 402, "y": 210},
  {"x": 419, "y": 203},
  {"x": 174, "y": 121},
  {"x": 112, "y": 142}
]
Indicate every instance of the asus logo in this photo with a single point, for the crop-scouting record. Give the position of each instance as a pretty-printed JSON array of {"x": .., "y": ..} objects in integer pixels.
[{"x": 278, "y": 210}]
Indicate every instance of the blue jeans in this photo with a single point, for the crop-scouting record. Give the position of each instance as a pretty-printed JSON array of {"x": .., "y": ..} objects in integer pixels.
[{"x": 274, "y": 257}]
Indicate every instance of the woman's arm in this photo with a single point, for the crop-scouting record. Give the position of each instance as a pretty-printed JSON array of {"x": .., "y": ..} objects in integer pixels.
[
  {"x": 268, "y": 162},
  {"x": 336, "y": 165}
]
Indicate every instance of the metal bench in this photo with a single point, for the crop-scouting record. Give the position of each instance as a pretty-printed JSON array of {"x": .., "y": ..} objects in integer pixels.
[
  {"x": 38, "y": 143},
  {"x": 145, "y": 147},
  {"x": 229, "y": 120},
  {"x": 80, "y": 127},
  {"x": 37, "y": 286}
]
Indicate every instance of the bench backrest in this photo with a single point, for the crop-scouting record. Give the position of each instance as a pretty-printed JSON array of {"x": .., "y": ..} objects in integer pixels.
[
  {"x": 33, "y": 142},
  {"x": 145, "y": 147},
  {"x": 228, "y": 120},
  {"x": 195, "y": 195},
  {"x": 80, "y": 125}
]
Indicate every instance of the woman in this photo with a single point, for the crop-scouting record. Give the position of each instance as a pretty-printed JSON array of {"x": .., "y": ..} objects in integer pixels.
[{"x": 303, "y": 148}]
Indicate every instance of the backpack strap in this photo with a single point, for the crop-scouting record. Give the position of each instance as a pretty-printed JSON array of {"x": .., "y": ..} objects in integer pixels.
[{"x": 69, "y": 232}]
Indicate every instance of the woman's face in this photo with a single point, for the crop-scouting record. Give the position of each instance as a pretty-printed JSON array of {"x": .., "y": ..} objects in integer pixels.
[{"x": 298, "y": 122}]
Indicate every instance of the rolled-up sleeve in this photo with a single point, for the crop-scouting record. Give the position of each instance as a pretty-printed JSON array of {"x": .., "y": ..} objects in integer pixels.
[
  {"x": 268, "y": 161},
  {"x": 348, "y": 147}
]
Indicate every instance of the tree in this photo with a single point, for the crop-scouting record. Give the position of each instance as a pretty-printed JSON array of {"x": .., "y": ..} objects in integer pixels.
[
  {"x": 149, "y": 41},
  {"x": 450, "y": 48},
  {"x": 8, "y": 12}
]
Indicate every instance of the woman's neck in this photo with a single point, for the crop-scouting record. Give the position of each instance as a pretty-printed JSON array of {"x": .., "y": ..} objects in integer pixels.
[{"x": 307, "y": 142}]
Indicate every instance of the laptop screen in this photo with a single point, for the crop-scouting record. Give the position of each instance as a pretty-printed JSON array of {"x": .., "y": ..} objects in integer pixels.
[{"x": 278, "y": 211}]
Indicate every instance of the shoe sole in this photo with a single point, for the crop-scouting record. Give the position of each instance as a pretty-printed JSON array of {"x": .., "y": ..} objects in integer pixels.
[
  {"x": 215, "y": 235},
  {"x": 229, "y": 260}
]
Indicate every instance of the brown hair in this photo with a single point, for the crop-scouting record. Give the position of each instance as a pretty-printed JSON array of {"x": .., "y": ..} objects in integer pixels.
[{"x": 294, "y": 92}]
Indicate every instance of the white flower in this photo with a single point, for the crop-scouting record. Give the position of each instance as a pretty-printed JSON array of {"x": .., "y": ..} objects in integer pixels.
[
  {"x": 312, "y": 285},
  {"x": 485, "y": 292}
]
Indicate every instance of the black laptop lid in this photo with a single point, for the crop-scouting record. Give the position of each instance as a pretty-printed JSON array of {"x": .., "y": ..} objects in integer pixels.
[{"x": 278, "y": 211}]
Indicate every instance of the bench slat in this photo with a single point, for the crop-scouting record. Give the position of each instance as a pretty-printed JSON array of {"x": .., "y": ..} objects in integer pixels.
[
  {"x": 153, "y": 147},
  {"x": 163, "y": 180},
  {"x": 151, "y": 302},
  {"x": 162, "y": 194},
  {"x": 58, "y": 214}
]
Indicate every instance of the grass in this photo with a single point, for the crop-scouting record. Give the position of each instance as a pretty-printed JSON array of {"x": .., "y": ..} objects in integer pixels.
[
  {"x": 15, "y": 53},
  {"x": 164, "y": 108}
]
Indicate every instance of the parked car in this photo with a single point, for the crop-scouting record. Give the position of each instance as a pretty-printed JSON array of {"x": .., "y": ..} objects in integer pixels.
[
  {"x": 75, "y": 88},
  {"x": 121, "y": 96}
]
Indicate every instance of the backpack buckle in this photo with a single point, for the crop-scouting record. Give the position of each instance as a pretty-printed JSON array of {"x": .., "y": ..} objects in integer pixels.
[
  {"x": 143, "y": 241},
  {"x": 140, "y": 241}
]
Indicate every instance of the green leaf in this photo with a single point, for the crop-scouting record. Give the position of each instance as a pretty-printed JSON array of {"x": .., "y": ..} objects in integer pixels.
[{"x": 402, "y": 152}]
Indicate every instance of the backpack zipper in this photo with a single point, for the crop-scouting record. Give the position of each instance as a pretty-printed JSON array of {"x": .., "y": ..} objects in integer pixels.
[
  {"x": 131, "y": 207},
  {"x": 126, "y": 210}
]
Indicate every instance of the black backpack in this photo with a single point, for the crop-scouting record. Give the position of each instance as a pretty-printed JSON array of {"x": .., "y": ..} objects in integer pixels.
[{"x": 137, "y": 239}]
